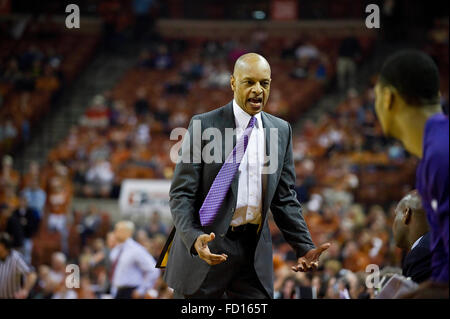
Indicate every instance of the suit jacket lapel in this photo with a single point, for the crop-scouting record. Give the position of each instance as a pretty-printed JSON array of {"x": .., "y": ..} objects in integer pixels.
[{"x": 269, "y": 180}]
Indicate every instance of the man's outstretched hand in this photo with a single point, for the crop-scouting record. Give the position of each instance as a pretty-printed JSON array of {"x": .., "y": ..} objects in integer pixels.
[
  {"x": 311, "y": 259},
  {"x": 201, "y": 246}
]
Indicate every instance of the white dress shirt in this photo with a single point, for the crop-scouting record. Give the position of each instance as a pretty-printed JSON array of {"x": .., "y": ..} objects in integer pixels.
[
  {"x": 135, "y": 267},
  {"x": 249, "y": 198},
  {"x": 416, "y": 242}
]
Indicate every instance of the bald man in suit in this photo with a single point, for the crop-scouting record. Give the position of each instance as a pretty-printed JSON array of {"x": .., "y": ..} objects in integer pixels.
[
  {"x": 232, "y": 256},
  {"x": 411, "y": 233}
]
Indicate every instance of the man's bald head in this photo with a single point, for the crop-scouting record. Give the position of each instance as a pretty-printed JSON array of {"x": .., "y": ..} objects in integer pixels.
[
  {"x": 413, "y": 201},
  {"x": 250, "y": 82},
  {"x": 249, "y": 60},
  {"x": 410, "y": 220},
  {"x": 123, "y": 230}
]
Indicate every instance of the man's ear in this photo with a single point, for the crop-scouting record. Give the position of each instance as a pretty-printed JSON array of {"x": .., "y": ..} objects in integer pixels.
[
  {"x": 232, "y": 82},
  {"x": 388, "y": 98},
  {"x": 407, "y": 214}
]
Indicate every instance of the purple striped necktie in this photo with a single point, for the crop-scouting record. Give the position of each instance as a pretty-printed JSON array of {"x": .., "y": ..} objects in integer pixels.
[{"x": 222, "y": 182}]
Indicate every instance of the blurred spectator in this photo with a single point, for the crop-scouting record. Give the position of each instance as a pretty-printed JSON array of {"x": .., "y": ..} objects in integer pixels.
[
  {"x": 8, "y": 175},
  {"x": 55, "y": 277},
  {"x": 144, "y": 60},
  {"x": 176, "y": 85},
  {"x": 288, "y": 289},
  {"x": 11, "y": 225},
  {"x": 48, "y": 81},
  {"x": 162, "y": 60},
  {"x": 307, "y": 52},
  {"x": 97, "y": 114},
  {"x": 99, "y": 178},
  {"x": 8, "y": 132},
  {"x": 90, "y": 224},
  {"x": 216, "y": 77},
  {"x": 349, "y": 55},
  {"x": 192, "y": 70},
  {"x": 35, "y": 197},
  {"x": 34, "y": 174},
  {"x": 354, "y": 258},
  {"x": 156, "y": 226},
  {"x": 58, "y": 203},
  {"x": 28, "y": 219},
  {"x": 141, "y": 105},
  {"x": 127, "y": 281},
  {"x": 141, "y": 10},
  {"x": 305, "y": 179}
]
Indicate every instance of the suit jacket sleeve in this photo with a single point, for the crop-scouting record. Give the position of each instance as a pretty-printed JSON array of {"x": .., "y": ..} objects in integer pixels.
[
  {"x": 286, "y": 209},
  {"x": 183, "y": 192}
]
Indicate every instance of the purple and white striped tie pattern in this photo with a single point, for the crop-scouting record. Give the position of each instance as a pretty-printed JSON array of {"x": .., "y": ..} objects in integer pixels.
[{"x": 222, "y": 182}]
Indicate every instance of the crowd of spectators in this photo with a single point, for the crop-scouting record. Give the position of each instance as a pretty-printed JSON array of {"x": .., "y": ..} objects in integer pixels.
[
  {"x": 124, "y": 133},
  {"x": 36, "y": 62},
  {"x": 35, "y": 210}
]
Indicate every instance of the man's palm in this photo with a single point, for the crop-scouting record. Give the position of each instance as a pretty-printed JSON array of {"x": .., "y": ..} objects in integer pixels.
[{"x": 201, "y": 246}]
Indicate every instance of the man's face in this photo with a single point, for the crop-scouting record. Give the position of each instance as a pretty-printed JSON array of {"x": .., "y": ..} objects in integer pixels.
[
  {"x": 251, "y": 85},
  {"x": 121, "y": 233}
]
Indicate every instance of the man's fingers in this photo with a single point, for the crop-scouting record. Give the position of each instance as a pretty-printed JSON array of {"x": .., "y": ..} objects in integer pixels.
[
  {"x": 314, "y": 265},
  {"x": 217, "y": 259},
  {"x": 304, "y": 265},
  {"x": 301, "y": 266},
  {"x": 212, "y": 259},
  {"x": 324, "y": 247},
  {"x": 211, "y": 237}
]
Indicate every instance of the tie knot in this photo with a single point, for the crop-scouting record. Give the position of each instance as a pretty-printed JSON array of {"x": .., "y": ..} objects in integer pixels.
[{"x": 252, "y": 122}]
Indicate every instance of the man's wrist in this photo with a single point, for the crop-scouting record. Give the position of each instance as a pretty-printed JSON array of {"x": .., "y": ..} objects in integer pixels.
[{"x": 304, "y": 250}]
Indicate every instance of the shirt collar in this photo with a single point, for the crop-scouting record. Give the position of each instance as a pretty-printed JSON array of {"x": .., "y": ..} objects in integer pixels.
[
  {"x": 126, "y": 242},
  {"x": 242, "y": 118},
  {"x": 416, "y": 242}
]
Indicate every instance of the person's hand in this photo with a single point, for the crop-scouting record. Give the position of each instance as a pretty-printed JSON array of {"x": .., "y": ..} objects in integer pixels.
[
  {"x": 21, "y": 294},
  {"x": 201, "y": 246},
  {"x": 311, "y": 259}
]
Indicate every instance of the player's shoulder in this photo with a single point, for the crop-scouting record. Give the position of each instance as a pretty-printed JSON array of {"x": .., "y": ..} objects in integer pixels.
[
  {"x": 436, "y": 146},
  {"x": 436, "y": 143}
]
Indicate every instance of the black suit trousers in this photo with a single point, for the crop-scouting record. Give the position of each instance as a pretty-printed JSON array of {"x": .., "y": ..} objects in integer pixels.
[{"x": 236, "y": 277}]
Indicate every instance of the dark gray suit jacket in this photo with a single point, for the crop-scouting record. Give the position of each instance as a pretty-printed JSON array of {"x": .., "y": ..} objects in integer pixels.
[{"x": 190, "y": 184}]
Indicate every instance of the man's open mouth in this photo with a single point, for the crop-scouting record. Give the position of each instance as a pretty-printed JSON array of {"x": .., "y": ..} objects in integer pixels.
[{"x": 255, "y": 102}]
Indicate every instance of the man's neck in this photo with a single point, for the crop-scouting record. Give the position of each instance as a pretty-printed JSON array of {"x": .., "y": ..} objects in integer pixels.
[
  {"x": 411, "y": 127},
  {"x": 124, "y": 241},
  {"x": 6, "y": 256}
]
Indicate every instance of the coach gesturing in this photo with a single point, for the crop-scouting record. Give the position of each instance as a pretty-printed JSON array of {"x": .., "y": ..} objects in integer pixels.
[{"x": 222, "y": 244}]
